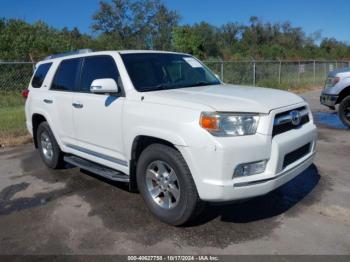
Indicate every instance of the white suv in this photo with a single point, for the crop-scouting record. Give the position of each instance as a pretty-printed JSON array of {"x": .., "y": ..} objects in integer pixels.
[{"x": 165, "y": 124}]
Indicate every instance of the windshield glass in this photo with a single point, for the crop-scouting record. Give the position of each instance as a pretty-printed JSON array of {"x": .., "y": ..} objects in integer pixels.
[{"x": 159, "y": 71}]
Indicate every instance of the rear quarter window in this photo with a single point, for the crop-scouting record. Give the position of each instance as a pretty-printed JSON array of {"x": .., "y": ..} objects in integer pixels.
[{"x": 40, "y": 75}]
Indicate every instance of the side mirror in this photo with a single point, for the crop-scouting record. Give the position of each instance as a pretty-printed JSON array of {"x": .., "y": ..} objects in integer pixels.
[{"x": 103, "y": 86}]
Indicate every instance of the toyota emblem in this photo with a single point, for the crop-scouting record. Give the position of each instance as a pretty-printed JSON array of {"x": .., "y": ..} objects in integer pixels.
[{"x": 296, "y": 117}]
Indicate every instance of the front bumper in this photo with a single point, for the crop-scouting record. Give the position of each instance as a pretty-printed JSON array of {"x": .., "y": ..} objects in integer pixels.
[
  {"x": 328, "y": 100},
  {"x": 212, "y": 168}
]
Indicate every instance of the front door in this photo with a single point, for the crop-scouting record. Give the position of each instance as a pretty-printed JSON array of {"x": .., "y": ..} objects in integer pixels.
[{"x": 98, "y": 117}]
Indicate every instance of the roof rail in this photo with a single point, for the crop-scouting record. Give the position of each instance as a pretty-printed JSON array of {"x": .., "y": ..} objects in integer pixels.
[{"x": 76, "y": 52}]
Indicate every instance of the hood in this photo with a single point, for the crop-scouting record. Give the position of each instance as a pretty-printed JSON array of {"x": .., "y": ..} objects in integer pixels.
[
  {"x": 342, "y": 71},
  {"x": 226, "y": 98}
]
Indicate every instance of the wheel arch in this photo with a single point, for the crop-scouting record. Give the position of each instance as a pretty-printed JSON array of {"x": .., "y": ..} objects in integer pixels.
[
  {"x": 344, "y": 93},
  {"x": 140, "y": 143},
  {"x": 37, "y": 119}
]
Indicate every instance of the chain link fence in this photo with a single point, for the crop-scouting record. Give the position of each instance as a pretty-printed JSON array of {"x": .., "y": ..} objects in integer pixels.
[
  {"x": 15, "y": 76},
  {"x": 272, "y": 73}
]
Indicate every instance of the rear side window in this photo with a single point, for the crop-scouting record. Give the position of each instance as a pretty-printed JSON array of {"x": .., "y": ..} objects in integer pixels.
[
  {"x": 40, "y": 75},
  {"x": 66, "y": 76},
  {"x": 97, "y": 67}
]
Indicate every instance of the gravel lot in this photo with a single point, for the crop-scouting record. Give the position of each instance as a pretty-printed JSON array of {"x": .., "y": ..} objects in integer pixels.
[{"x": 71, "y": 212}]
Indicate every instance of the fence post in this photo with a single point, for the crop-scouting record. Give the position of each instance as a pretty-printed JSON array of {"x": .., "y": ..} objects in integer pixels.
[
  {"x": 298, "y": 71},
  {"x": 33, "y": 62},
  {"x": 222, "y": 70},
  {"x": 279, "y": 71},
  {"x": 349, "y": 63},
  {"x": 254, "y": 72},
  {"x": 314, "y": 72}
]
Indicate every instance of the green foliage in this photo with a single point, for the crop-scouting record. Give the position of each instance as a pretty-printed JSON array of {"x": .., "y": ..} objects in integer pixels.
[
  {"x": 149, "y": 24},
  {"x": 141, "y": 24},
  {"x": 22, "y": 41},
  {"x": 12, "y": 117},
  {"x": 200, "y": 40},
  {"x": 11, "y": 99},
  {"x": 185, "y": 41}
]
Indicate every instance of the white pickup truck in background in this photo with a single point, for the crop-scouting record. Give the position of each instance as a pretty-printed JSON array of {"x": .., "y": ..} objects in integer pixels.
[
  {"x": 337, "y": 92},
  {"x": 165, "y": 124}
]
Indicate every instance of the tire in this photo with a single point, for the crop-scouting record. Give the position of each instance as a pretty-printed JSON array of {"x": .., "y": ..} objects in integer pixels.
[
  {"x": 344, "y": 111},
  {"x": 180, "y": 208},
  {"x": 49, "y": 150}
]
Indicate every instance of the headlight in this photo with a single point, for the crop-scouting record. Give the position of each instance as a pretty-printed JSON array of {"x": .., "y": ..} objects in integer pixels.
[
  {"x": 229, "y": 124},
  {"x": 332, "y": 81}
]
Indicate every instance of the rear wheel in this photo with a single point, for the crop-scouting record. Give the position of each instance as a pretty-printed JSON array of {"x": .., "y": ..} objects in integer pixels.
[
  {"x": 166, "y": 185},
  {"x": 344, "y": 111},
  {"x": 49, "y": 149}
]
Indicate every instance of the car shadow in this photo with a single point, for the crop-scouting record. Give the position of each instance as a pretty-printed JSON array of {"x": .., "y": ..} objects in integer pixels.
[
  {"x": 270, "y": 205},
  {"x": 110, "y": 99},
  {"x": 120, "y": 185},
  {"x": 267, "y": 206},
  {"x": 329, "y": 119}
]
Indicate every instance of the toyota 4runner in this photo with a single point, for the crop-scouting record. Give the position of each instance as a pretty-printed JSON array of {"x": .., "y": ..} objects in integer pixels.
[{"x": 165, "y": 124}]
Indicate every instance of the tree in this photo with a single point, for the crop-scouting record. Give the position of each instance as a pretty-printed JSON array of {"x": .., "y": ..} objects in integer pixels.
[
  {"x": 163, "y": 24},
  {"x": 184, "y": 40},
  {"x": 134, "y": 23},
  {"x": 142, "y": 24},
  {"x": 200, "y": 40},
  {"x": 22, "y": 41},
  {"x": 334, "y": 48}
]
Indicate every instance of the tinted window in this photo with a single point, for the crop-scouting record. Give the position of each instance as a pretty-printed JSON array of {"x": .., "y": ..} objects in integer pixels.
[
  {"x": 97, "y": 67},
  {"x": 66, "y": 75},
  {"x": 157, "y": 71},
  {"x": 40, "y": 75}
]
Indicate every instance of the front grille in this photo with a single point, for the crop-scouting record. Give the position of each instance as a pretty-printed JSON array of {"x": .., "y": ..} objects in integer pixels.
[
  {"x": 296, "y": 155},
  {"x": 283, "y": 123}
]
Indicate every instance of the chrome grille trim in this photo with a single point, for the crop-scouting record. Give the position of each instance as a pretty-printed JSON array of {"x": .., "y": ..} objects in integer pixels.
[{"x": 283, "y": 121}]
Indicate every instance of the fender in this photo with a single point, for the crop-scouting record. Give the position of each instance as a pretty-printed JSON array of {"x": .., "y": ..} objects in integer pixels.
[
  {"x": 166, "y": 135},
  {"x": 39, "y": 111}
]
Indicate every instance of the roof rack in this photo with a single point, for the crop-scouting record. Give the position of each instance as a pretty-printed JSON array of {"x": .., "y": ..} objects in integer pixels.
[{"x": 76, "y": 52}]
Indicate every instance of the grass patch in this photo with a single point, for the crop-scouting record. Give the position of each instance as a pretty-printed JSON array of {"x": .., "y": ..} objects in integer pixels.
[
  {"x": 12, "y": 120},
  {"x": 10, "y": 99}
]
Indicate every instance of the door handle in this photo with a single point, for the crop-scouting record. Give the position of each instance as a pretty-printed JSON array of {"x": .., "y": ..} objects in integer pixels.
[
  {"x": 77, "y": 105},
  {"x": 48, "y": 101}
]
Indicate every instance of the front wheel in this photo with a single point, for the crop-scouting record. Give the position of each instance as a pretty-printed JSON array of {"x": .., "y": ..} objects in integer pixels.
[
  {"x": 344, "y": 111},
  {"x": 166, "y": 185}
]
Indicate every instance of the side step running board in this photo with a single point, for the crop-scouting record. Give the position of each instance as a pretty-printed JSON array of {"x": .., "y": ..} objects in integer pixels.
[{"x": 97, "y": 169}]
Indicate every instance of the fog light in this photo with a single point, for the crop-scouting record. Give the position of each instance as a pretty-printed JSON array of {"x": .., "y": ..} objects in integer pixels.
[{"x": 248, "y": 169}]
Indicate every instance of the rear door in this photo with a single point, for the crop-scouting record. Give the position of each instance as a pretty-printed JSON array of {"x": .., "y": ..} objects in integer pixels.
[
  {"x": 58, "y": 100},
  {"x": 98, "y": 117}
]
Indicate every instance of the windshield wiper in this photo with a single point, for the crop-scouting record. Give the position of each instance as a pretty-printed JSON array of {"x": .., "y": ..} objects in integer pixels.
[
  {"x": 169, "y": 86},
  {"x": 162, "y": 86},
  {"x": 159, "y": 87},
  {"x": 201, "y": 83}
]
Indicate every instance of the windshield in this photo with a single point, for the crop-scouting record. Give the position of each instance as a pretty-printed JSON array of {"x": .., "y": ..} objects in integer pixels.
[{"x": 159, "y": 71}]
